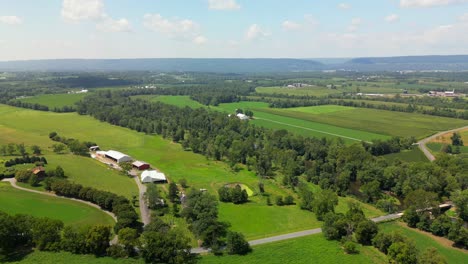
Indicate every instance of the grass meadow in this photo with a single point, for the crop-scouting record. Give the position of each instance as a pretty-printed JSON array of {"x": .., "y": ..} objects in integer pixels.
[
  {"x": 16, "y": 201},
  {"x": 309, "y": 249},
  {"x": 44, "y": 257},
  {"x": 413, "y": 155},
  {"x": 55, "y": 100},
  {"x": 425, "y": 240}
]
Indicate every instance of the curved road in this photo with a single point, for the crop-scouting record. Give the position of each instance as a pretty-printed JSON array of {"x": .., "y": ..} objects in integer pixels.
[
  {"x": 299, "y": 234},
  {"x": 422, "y": 143}
]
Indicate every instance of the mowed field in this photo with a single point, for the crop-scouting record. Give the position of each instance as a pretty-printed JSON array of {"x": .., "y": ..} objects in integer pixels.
[
  {"x": 376, "y": 121},
  {"x": 55, "y": 100},
  {"x": 425, "y": 240},
  {"x": 309, "y": 249},
  {"x": 14, "y": 201},
  {"x": 22, "y": 125}
]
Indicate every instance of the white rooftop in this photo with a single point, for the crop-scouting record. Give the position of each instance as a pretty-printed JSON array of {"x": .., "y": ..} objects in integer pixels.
[
  {"x": 115, "y": 154},
  {"x": 152, "y": 175}
]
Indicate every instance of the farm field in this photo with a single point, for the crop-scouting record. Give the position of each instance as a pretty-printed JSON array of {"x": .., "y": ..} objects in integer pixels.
[
  {"x": 55, "y": 100},
  {"x": 309, "y": 249},
  {"x": 169, "y": 157},
  {"x": 44, "y": 257},
  {"x": 424, "y": 241},
  {"x": 179, "y": 100},
  {"x": 413, "y": 155},
  {"x": 445, "y": 139},
  {"x": 74, "y": 213},
  {"x": 376, "y": 121}
]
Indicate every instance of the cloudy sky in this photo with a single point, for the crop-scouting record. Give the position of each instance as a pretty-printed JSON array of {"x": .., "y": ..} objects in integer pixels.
[{"x": 47, "y": 29}]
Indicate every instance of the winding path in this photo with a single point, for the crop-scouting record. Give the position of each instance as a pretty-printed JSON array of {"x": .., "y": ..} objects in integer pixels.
[
  {"x": 422, "y": 143},
  {"x": 144, "y": 210}
]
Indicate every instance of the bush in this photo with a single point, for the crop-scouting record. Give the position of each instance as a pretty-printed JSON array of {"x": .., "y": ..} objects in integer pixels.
[
  {"x": 289, "y": 200},
  {"x": 236, "y": 244},
  {"x": 279, "y": 200},
  {"x": 350, "y": 247}
]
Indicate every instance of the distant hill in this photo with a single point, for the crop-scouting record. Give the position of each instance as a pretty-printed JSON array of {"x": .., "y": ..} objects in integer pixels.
[
  {"x": 165, "y": 65},
  {"x": 414, "y": 63}
]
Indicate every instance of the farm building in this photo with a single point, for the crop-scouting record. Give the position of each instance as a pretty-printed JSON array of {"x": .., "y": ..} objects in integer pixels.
[
  {"x": 242, "y": 116},
  {"x": 141, "y": 165},
  {"x": 94, "y": 148},
  {"x": 39, "y": 171},
  {"x": 117, "y": 156},
  {"x": 152, "y": 176}
]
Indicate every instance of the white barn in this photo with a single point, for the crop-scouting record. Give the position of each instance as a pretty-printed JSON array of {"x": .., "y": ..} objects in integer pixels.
[
  {"x": 148, "y": 176},
  {"x": 117, "y": 156},
  {"x": 242, "y": 116}
]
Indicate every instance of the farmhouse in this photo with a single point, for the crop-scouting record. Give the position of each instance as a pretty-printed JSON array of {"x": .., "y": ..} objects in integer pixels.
[
  {"x": 39, "y": 171},
  {"x": 152, "y": 176},
  {"x": 242, "y": 116},
  {"x": 117, "y": 156},
  {"x": 141, "y": 165}
]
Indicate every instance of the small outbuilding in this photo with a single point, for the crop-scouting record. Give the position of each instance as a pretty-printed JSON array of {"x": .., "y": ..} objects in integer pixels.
[
  {"x": 242, "y": 116},
  {"x": 39, "y": 171},
  {"x": 117, "y": 156},
  {"x": 149, "y": 176},
  {"x": 140, "y": 165},
  {"x": 94, "y": 148}
]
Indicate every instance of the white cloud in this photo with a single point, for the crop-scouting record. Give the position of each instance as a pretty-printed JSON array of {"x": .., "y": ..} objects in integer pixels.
[
  {"x": 255, "y": 32},
  {"x": 429, "y": 3},
  {"x": 177, "y": 29},
  {"x": 223, "y": 5},
  {"x": 110, "y": 25},
  {"x": 355, "y": 23},
  {"x": 344, "y": 6},
  {"x": 76, "y": 10},
  {"x": 11, "y": 20},
  {"x": 291, "y": 25},
  {"x": 200, "y": 40},
  {"x": 392, "y": 18},
  {"x": 463, "y": 18}
]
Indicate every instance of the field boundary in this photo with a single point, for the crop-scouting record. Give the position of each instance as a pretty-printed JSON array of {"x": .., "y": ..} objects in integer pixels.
[{"x": 422, "y": 143}]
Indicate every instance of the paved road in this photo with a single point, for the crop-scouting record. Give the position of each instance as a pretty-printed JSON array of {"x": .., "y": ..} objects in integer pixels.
[
  {"x": 300, "y": 233},
  {"x": 144, "y": 210},
  {"x": 422, "y": 143}
]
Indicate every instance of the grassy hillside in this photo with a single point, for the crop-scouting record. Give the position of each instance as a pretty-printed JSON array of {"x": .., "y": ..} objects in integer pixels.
[
  {"x": 425, "y": 240},
  {"x": 15, "y": 201}
]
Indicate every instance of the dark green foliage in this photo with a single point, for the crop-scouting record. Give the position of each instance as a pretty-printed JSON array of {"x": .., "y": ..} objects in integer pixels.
[
  {"x": 350, "y": 247},
  {"x": 366, "y": 230},
  {"x": 456, "y": 139},
  {"x": 382, "y": 241},
  {"x": 324, "y": 202},
  {"x": 36, "y": 150},
  {"x": 23, "y": 175},
  {"x": 235, "y": 194},
  {"x": 172, "y": 247},
  {"x": 236, "y": 244},
  {"x": 224, "y": 194},
  {"x": 460, "y": 199},
  {"x": 183, "y": 183},
  {"x": 279, "y": 200},
  {"x": 46, "y": 234},
  {"x": 59, "y": 172},
  {"x": 173, "y": 194},
  {"x": 441, "y": 225},
  {"x": 431, "y": 256},
  {"x": 288, "y": 200},
  {"x": 411, "y": 217},
  {"x": 25, "y": 159},
  {"x": 403, "y": 253},
  {"x": 153, "y": 197},
  {"x": 33, "y": 180},
  {"x": 97, "y": 240}
]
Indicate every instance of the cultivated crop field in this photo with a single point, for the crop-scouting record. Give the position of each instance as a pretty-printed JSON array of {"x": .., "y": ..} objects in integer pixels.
[
  {"x": 21, "y": 202},
  {"x": 309, "y": 249},
  {"x": 376, "y": 121},
  {"x": 55, "y": 100},
  {"x": 426, "y": 240}
]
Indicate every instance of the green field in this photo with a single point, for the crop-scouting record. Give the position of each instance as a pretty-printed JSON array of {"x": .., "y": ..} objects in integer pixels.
[
  {"x": 20, "y": 125},
  {"x": 424, "y": 241},
  {"x": 44, "y": 257},
  {"x": 15, "y": 201},
  {"x": 414, "y": 155},
  {"x": 375, "y": 121},
  {"x": 309, "y": 249},
  {"x": 179, "y": 100},
  {"x": 55, "y": 100}
]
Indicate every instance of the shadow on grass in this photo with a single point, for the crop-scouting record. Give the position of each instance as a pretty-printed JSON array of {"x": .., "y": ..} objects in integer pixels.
[{"x": 17, "y": 255}]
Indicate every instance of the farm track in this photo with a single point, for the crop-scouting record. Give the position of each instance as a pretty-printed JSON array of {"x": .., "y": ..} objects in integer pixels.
[
  {"x": 422, "y": 143},
  {"x": 144, "y": 210}
]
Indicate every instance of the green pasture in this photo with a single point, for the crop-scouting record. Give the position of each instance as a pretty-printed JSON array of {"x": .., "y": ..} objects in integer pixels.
[
  {"x": 309, "y": 249},
  {"x": 16, "y": 201},
  {"x": 311, "y": 91},
  {"x": 45, "y": 257},
  {"x": 177, "y": 100},
  {"x": 424, "y": 241},
  {"x": 55, "y": 100},
  {"x": 413, "y": 155},
  {"x": 376, "y": 121}
]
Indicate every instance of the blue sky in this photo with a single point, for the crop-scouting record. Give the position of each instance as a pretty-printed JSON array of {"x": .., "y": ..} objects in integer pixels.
[{"x": 45, "y": 29}]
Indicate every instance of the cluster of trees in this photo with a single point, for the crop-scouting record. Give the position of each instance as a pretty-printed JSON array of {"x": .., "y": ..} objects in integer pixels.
[
  {"x": 423, "y": 213},
  {"x": 12, "y": 149},
  {"x": 39, "y": 107},
  {"x": 76, "y": 147},
  {"x": 393, "y": 145},
  {"x": 201, "y": 212},
  {"x": 26, "y": 159},
  {"x": 45, "y": 234},
  {"x": 233, "y": 194},
  {"x": 329, "y": 163},
  {"x": 117, "y": 204}
]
